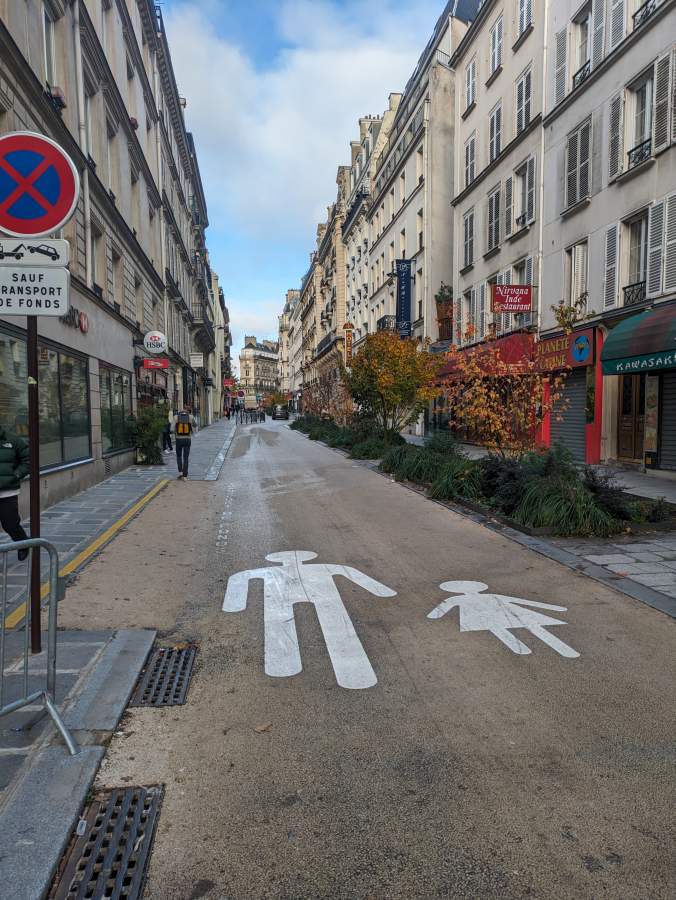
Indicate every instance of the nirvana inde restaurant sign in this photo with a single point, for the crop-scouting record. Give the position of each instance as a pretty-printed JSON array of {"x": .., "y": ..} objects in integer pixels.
[{"x": 512, "y": 298}]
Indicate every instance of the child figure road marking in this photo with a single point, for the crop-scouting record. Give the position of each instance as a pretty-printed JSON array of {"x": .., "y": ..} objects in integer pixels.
[
  {"x": 293, "y": 582},
  {"x": 498, "y": 614}
]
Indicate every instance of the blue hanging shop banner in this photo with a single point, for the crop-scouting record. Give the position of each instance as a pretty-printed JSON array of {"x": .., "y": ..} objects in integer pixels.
[{"x": 403, "y": 269}]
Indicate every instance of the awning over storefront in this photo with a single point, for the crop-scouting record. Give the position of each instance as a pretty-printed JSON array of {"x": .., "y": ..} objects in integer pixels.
[{"x": 642, "y": 343}]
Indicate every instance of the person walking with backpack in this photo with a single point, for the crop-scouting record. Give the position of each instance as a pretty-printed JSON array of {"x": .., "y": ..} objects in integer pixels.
[
  {"x": 183, "y": 430},
  {"x": 14, "y": 464}
]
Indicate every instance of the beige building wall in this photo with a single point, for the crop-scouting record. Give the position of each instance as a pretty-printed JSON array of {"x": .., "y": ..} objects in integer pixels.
[
  {"x": 410, "y": 214},
  {"x": 498, "y": 165},
  {"x": 258, "y": 367}
]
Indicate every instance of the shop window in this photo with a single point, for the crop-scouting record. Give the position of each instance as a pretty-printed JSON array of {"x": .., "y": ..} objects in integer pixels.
[
  {"x": 63, "y": 400},
  {"x": 116, "y": 408}
]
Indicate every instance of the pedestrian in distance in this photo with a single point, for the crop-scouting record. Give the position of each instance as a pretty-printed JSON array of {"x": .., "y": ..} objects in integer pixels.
[
  {"x": 166, "y": 438},
  {"x": 184, "y": 427},
  {"x": 14, "y": 464}
]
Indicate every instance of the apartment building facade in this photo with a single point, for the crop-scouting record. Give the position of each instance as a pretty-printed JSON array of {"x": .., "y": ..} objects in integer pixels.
[
  {"x": 410, "y": 214},
  {"x": 258, "y": 368},
  {"x": 609, "y": 237},
  {"x": 88, "y": 75},
  {"x": 497, "y": 200},
  {"x": 285, "y": 341},
  {"x": 373, "y": 133}
]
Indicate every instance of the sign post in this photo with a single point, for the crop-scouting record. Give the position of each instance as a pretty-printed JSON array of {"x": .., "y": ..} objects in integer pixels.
[{"x": 39, "y": 190}]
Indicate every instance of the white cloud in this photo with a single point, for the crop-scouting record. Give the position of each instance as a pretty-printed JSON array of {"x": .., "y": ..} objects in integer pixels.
[{"x": 269, "y": 140}]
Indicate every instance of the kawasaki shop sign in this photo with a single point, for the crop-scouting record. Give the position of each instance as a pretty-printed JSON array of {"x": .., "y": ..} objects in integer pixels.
[{"x": 642, "y": 343}]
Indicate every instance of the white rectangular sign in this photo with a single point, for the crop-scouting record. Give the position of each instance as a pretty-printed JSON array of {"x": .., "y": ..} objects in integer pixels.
[
  {"x": 33, "y": 252},
  {"x": 197, "y": 360},
  {"x": 28, "y": 291}
]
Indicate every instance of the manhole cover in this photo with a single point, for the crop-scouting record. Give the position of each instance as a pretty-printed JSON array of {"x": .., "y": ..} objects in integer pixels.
[
  {"x": 165, "y": 679},
  {"x": 111, "y": 848}
]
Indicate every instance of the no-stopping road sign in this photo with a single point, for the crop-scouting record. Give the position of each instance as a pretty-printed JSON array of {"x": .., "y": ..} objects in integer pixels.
[{"x": 39, "y": 185}]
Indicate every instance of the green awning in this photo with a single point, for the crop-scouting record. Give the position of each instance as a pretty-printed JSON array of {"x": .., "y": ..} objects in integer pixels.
[{"x": 642, "y": 343}]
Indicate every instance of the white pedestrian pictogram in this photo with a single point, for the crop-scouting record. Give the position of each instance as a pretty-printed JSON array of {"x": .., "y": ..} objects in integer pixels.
[
  {"x": 293, "y": 582},
  {"x": 499, "y": 615}
]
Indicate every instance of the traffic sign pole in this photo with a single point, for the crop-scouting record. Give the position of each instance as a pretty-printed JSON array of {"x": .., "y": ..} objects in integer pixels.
[
  {"x": 34, "y": 444},
  {"x": 39, "y": 192}
]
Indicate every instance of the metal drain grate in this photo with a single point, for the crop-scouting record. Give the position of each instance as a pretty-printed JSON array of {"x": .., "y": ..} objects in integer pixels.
[
  {"x": 165, "y": 679},
  {"x": 110, "y": 852}
]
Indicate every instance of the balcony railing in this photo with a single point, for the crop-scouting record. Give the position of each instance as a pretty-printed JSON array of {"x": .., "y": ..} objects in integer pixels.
[
  {"x": 582, "y": 74},
  {"x": 386, "y": 323},
  {"x": 634, "y": 293},
  {"x": 643, "y": 13},
  {"x": 325, "y": 343},
  {"x": 640, "y": 153}
]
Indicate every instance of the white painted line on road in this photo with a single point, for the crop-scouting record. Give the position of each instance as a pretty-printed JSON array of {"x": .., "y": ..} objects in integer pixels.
[
  {"x": 291, "y": 583},
  {"x": 499, "y": 614}
]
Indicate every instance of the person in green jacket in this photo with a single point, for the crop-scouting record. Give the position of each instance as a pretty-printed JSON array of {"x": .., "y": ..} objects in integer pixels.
[{"x": 14, "y": 460}]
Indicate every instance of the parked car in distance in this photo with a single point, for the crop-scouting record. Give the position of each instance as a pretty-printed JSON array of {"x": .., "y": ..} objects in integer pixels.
[{"x": 280, "y": 412}]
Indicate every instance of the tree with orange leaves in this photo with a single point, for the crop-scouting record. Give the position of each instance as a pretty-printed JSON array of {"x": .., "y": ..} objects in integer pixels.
[
  {"x": 392, "y": 379},
  {"x": 501, "y": 404}
]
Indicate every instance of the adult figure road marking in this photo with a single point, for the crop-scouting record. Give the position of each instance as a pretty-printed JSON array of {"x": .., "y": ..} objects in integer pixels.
[
  {"x": 293, "y": 582},
  {"x": 498, "y": 614}
]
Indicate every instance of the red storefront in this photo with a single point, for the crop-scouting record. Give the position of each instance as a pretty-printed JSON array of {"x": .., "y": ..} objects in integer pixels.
[{"x": 577, "y": 421}]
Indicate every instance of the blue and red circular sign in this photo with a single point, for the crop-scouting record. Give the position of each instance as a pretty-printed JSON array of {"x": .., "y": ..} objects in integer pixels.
[{"x": 39, "y": 185}]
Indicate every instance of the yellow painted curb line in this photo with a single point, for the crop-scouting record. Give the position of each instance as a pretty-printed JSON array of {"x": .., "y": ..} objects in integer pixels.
[{"x": 17, "y": 615}]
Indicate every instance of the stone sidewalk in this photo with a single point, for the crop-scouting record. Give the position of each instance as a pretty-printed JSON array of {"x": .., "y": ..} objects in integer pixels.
[
  {"x": 43, "y": 787},
  {"x": 74, "y": 524}
]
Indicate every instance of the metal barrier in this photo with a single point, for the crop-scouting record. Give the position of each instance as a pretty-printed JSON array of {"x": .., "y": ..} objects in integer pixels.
[{"x": 48, "y": 694}]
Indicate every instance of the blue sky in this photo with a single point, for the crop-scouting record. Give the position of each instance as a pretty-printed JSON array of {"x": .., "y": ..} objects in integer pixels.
[{"x": 274, "y": 91}]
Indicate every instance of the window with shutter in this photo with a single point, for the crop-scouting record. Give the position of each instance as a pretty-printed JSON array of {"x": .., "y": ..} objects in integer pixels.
[
  {"x": 470, "y": 83},
  {"x": 584, "y": 146},
  {"x": 494, "y": 219},
  {"x": 616, "y": 136},
  {"x": 617, "y": 22},
  {"x": 611, "y": 255},
  {"x": 469, "y": 237},
  {"x": 572, "y": 156},
  {"x": 525, "y": 14},
  {"x": 470, "y": 165},
  {"x": 673, "y": 96},
  {"x": 495, "y": 133},
  {"x": 561, "y": 66},
  {"x": 670, "y": 246},
  {"x": 519, "y": 105},
  {"x": 662, "y": 102},
  {"x": 598, "y": 31},
  {"x": 481, "y": 325},
  {"x": 509, "y": 207},
  {"x": 530, "y": 189},
  {"x": 655, "y": 248},
  {"x": 496, "y": 46}
]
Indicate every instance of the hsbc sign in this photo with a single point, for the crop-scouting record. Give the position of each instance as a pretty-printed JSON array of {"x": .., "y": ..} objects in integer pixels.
[{"x": 155, "y": 342}]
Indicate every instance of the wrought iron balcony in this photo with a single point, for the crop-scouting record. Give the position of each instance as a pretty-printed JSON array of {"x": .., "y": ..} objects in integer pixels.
[
  {"x": 582, "y": 74},
  {"x": 640, "y": 153},
  {"x": 386, "y": 323},
  {"x": 325, "y": 343},
  {"x": 643, "y": 13},
  {"x": 634, "y": 293}
]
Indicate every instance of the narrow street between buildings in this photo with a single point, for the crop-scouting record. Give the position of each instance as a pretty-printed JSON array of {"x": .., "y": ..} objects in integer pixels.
[{"x": 347, "y": 732}]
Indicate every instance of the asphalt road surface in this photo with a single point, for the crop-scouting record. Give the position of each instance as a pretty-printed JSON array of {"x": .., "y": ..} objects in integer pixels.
[{"x": 338, "y": 742}]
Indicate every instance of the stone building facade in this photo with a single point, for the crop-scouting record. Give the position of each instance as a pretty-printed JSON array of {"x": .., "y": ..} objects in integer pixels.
[{"x": 96, "y": 78}]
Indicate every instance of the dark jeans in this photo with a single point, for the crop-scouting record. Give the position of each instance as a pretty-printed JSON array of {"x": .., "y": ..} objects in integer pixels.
[
  {"x": 182, "y": 456},
  {"x": 166, "y": 440},
  {"x": 10, "y": 519}
]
